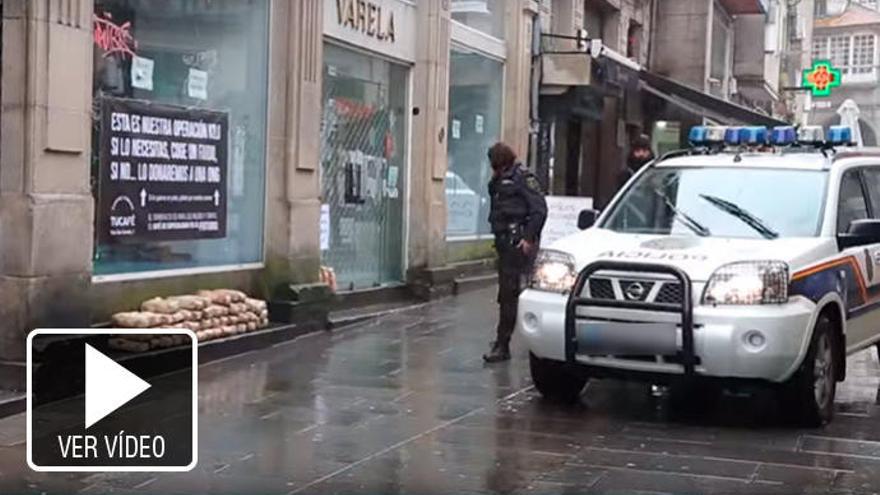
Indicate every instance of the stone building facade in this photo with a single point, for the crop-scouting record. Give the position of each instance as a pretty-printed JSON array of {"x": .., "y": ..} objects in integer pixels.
[{"x": 342, "y": 117}]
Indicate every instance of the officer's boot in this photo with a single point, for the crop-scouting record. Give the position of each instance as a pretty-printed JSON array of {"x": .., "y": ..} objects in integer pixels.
[
  {"x": 500, "y": 352},
  {"x": 506, "y": 323}
]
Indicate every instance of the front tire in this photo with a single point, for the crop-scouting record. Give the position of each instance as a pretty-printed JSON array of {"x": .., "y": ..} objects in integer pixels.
[
  {"x": 554, "y": 381},
  {"x": 810, "y": 392}
]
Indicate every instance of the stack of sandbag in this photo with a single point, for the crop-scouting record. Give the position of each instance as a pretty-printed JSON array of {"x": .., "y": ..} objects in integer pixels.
[{"x": 209, "y": 313}]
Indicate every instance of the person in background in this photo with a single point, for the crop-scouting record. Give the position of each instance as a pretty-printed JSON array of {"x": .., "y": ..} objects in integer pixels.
[
  {"x": 517, "y": 214},
  {"x": 639, "y": 154}
]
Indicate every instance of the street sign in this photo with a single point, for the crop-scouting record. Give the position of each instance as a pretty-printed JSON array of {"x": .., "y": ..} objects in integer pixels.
[{"x": 821, "y": 78}]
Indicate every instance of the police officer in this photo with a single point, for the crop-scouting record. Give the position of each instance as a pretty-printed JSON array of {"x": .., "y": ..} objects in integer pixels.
[{"x": 517, "y": 215}]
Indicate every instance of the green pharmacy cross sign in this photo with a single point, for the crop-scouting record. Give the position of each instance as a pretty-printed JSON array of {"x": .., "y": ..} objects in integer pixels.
[{"x": 821, "y": 78}]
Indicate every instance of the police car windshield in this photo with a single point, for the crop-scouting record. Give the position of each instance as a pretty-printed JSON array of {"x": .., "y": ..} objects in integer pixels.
[{"x": 722, "y": 202}]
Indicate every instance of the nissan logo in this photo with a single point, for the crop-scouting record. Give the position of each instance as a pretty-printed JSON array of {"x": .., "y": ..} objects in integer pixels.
[{"x": 634, "y": 291}]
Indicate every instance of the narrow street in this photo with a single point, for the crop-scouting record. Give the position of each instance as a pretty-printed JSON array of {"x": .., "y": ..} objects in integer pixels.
[{"x": 405, "y": 404}]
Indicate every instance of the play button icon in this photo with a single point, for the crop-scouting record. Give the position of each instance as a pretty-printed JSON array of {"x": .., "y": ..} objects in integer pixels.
[
  {"x": 109, "y": 386},
  {"x": 95, "y": 406}
]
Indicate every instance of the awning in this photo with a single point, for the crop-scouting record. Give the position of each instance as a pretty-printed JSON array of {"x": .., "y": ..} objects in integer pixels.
[
  {"x": 703, "y": 104},
  {"x": 738, "y": 7}
]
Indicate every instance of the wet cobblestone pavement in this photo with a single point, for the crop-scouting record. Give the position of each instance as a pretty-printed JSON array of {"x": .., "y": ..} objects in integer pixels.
[{"x": 405, "y": 405}]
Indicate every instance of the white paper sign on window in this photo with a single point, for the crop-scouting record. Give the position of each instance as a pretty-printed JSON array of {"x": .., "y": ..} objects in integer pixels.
[
  {"x": 456, "y": 129},
  {"x": 562, "y": 217},
  {"x": 325, "y": 227},
  {"x": 142, "y": 73},
  {"x": 478, "y": 124},
  {"x": 197, "y": 84}
]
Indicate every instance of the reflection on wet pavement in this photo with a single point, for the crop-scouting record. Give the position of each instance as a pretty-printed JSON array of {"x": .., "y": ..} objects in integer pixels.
[{"x": 405, "y": 405}]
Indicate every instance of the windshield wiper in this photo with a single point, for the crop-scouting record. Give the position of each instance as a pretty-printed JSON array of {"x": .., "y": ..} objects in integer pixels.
[
  {"x": 685, "y": 219},
  {"x": 744, "y": 215}
]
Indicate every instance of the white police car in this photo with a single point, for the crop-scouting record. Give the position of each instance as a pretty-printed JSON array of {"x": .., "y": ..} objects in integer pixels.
[{"x": 754, "y": 256}]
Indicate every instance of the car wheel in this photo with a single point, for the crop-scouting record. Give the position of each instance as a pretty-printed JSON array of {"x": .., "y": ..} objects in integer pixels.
[
  {"x": 554, "y": 381},
  {"x": 810, "y": 392}
]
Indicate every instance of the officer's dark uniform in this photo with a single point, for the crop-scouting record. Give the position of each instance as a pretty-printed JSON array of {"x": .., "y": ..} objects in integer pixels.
[{"x": 518, "y": 213}]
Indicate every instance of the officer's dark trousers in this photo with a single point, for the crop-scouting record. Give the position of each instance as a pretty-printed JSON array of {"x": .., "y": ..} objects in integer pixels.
[{"x": 513, "y": 267}]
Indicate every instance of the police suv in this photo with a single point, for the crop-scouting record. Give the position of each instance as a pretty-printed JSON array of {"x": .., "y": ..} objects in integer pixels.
[{"x": 753, "y": 256}]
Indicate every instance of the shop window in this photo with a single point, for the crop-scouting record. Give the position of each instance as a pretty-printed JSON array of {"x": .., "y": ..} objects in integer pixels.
[
  {"x": 185, "y": 83},
  {"x": 720, "y": 67},
  {"x": 475, "y": 103},
  {"x": 483, "y": 15},
  {"x": 634, "y": 41},
  {"x": 595, "y": 21},
  {"x": 363, "y": 167}
]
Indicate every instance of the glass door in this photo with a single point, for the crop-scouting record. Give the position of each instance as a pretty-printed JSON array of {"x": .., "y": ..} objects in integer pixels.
[{"x": 363, "y": 157}]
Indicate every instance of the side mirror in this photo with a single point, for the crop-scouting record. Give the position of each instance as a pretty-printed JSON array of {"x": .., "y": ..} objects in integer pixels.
[
  {"x": 587, "y": 218},
  {"x": 860, "y": 233}
]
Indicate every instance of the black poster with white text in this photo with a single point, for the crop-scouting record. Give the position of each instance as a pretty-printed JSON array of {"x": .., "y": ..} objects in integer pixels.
[{"x": 162, "y": 172}]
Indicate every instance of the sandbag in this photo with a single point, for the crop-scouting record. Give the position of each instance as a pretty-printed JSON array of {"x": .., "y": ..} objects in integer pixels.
[
  {"x": 137, "y": 319},
  {"x": 190, "y": 302},
  {"x": 160, "y": 305},
  {"x": 216, "y": 297},
  {"x": 255, "y": 305},
  {"x": 216, "y": 311}
]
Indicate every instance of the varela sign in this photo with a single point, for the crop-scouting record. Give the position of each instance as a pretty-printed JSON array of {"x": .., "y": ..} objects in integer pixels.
[{"x": 367, "y": 17}]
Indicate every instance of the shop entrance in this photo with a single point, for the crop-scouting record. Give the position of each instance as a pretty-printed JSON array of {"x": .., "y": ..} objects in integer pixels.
[{"x": 363, "y": 162}]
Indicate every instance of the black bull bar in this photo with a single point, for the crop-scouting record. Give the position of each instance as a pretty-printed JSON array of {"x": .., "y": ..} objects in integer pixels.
[{"x": 685, "y": 309}]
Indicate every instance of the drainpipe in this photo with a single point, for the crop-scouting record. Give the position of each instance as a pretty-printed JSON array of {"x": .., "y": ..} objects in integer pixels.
[
  {"x": 652, "y": 33},
  {"x": 534, "y": 92}
]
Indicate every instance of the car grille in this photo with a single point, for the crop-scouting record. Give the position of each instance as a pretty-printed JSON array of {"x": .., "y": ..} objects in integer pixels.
[
  {"x": 629, "y": 289},
  {"x": 670, "y": 293},
  {"x": 601, "y": 288}
]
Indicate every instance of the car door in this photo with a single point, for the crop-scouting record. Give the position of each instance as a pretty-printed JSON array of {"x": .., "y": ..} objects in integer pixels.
[
  {"x": 854, "y": 204},
  {"x": 871, "y": 258}
]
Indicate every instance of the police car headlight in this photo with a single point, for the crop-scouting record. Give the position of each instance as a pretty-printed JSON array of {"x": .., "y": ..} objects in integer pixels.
[
  {"x": 748, "y": 282},
  {"x": 554, "y": 272}
]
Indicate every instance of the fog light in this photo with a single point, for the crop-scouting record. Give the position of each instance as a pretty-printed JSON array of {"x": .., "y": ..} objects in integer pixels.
[
  {"x": 755, "y": 339},
  {"x": 530, "y": 320}
]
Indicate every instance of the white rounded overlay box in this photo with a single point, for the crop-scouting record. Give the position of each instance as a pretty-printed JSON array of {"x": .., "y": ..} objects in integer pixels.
[{"x": 194, "y": 345}]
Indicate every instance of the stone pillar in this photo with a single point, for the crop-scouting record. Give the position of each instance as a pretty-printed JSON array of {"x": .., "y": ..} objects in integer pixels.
[
  {"x": 293, "y": 186},
  {"x": 430, "y": 98},
  {"x": 46, "y": 206},
  {"x": 517, "y": 80}
]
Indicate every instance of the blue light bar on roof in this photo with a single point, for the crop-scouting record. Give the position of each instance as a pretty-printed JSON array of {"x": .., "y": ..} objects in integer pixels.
[
  {"x": 732, "y": 136},
  {"x": 811, "y": 134},
  {"x": 715, "y": 134},
  {"x": 783, "y": 135},
  {"x": 840, "y": 135},
  {"x": 697, "y": 135},
  {"x": 754, "y": 135}
]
